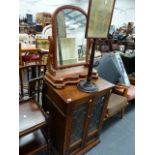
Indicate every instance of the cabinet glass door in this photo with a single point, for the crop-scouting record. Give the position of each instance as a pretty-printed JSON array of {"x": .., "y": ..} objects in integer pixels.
[
  {"x": 96, "y": 114},
  {"x": 78, "y": 120}
]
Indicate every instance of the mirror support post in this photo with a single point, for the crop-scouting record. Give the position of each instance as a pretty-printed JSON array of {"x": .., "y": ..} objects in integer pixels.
[{"x": 87, "y": 85}]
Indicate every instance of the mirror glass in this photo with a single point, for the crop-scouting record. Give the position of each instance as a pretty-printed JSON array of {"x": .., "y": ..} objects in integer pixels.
[{"x": 71, "y": 42}]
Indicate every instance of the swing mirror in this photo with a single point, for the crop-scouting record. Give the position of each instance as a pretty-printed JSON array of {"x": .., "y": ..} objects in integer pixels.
[
  {"x": 70, "y": 44},
  {"x": 68, "y": 59}
]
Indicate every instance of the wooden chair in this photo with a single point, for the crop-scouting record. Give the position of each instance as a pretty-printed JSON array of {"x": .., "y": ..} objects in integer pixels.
[
  {"x": 117, "y": 102},
  {"x": 131, "y": 89},
  {"x": 32, "y": 119},
  {"x": 43, "y": 46},
  {"x": 130, "y": 94},
  {"x": 129, "y": 65},
  {"x": 31, "y": 122},
  {"x": 29, "y": 55},
  {"x": 31, "y": 78}
]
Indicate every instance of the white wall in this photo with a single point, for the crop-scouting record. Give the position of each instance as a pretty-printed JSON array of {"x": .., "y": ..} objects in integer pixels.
[
  {"x": 34, "y": 6},
  {"x": 124, "y": 11}
]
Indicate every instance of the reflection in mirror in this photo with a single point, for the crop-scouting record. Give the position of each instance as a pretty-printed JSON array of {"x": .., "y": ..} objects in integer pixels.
[{"x": 71, "y": 42}]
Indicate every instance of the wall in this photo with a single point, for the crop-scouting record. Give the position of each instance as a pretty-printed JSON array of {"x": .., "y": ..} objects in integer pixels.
[
  {"x": 124, "y": 11},
  {"x": 34, "y": 6}
]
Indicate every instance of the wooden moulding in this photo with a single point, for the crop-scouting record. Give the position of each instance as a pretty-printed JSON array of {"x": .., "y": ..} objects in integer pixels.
[{"x": 68, "y": 76}]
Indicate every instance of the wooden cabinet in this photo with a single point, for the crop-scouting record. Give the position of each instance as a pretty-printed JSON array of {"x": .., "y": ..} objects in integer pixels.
[{"x": 76, "y": 117}]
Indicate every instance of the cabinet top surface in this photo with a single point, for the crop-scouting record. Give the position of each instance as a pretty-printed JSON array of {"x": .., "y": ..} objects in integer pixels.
[{"x": 71, "y": 93}]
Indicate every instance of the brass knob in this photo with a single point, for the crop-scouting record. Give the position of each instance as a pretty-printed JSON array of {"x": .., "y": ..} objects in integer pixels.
[
  {"x": 89, "y": 116},
  {"x": 90, "y": 100},
  {"x": 103, "y": 98},
  {"x": 47, "y": 112}
]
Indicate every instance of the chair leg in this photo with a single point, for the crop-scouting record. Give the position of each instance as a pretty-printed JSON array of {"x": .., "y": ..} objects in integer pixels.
[{"x": 122, "y": 113}]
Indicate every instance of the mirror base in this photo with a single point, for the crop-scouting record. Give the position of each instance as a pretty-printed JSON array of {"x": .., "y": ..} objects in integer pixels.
[{"x": 87, "y": 86}]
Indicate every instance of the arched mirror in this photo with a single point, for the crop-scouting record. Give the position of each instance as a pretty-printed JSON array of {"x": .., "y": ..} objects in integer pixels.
[
  {"x": 70, "y": 45},
  {"x": 68, "y": 59}
]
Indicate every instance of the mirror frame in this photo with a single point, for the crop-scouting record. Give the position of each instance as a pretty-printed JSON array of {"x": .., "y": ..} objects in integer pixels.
[
  {"x": 106, "y": 26},
  {"x": 60, "y": 76},
  {"x": 54, "y": 33}
]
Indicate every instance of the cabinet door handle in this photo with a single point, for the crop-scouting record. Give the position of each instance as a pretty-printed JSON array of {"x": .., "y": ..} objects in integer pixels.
[
  {"x": 89, "y": 116},
  {"x": 90, "y": 100},
  {"x": 47, "y": 112}
]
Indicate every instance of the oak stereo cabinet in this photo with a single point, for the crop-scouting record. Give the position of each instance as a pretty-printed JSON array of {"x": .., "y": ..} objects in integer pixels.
[{"x": 76, "y": 117}]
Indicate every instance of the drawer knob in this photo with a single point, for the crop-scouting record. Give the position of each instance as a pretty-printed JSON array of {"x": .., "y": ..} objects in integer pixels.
[
  {"x": 103, "y": 98},
  {"x": 69, "y": 100},
  {"x": 90, "y": 100},
  {"x": 89, "y": 116},
  {"x": 47, "y": 112}
]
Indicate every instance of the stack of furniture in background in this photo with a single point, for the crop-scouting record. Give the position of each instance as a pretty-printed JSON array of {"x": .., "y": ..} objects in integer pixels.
[
  {"x": 34, "y": 46},
  {"x": 43, "y": 18},
  {"x": 34, "y": 54},
  {"x": 28, "y": 54},
  {"x": 43, "y": 46}
]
